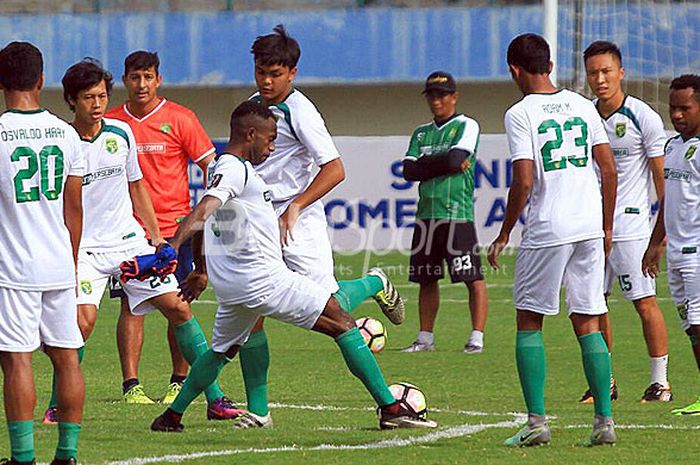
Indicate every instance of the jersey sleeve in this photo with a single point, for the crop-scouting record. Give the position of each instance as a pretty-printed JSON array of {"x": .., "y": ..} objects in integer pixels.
[
  {"x": 518, "y": 134},
  {"x": 469, "y": 138},
  {"x": 653, "y": 134},
  {"x": 133, "y": 170},
  {"x": 413, "y": 150},
  {"x": 194, "y": 139},
  {"x": 313, "y": 133},
  {"x": 596, "y": 129},
  {"x": 228, "y": 179},
  {"x": 76, "y": 157}
]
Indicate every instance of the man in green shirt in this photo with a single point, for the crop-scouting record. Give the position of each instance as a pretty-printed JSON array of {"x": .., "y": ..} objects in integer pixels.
[{"x": 441, "y": 156}]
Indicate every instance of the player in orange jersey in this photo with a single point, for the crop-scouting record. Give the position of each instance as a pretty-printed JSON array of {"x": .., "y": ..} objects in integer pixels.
[{"x": 167, "y": 136}]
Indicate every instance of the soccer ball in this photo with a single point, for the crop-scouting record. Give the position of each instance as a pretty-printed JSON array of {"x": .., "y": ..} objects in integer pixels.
[
  {"x": 410, "y": 397},
  {"x": 373, "y": 333}
]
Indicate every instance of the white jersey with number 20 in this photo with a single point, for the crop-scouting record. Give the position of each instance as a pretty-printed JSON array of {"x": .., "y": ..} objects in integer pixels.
[{"x": 38, "y": 151}]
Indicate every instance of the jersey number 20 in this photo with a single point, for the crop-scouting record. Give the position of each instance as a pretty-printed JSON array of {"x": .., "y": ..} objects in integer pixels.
[
  {"x": 51, "y": 184},
  {"x": 553, "y": 144}
]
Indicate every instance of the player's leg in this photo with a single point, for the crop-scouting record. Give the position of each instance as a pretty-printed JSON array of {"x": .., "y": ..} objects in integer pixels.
[
  {"x": 20, "y": 316},
  {"x": 87, "y": 317},
  {"x": 538, "y": 277},
  {"x": 129, "y": 345},
  {"x": 185, "y": 265},
  {"x": 338, "y": 324},
  {"x": 61, "y": 342},
  {"x": 583, "y": 281},
  {"x": 464, "y": 265},
  {"x": 144, "y": 296},
  {"x": 656, "y": 337},
  {"x": 19, "y": 398},
  {"x": 91, "y": 285},
  {"x": 614, "y": 263},
  {"x": 426, "y": 269},
  {"x": 232, "y": 327},
  {"x": 255, "y": 366},
  {"x": 685, "y": 290}
]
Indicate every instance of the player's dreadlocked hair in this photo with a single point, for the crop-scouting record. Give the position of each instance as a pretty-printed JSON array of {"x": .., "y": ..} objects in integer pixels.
[
  {"x": 21, "y": 65},
  {"x": 530, "y": 52},
  {"x": 601, "y": 47},
  {"x": 248, "y": 114},
  {"x": 82, "y": 76},
  {"x": 687, "y": 80},
  {"x": 277, "y": 48}
]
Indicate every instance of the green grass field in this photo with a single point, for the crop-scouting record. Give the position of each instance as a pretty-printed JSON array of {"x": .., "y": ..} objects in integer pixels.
[{"x": 323, "y": 415}]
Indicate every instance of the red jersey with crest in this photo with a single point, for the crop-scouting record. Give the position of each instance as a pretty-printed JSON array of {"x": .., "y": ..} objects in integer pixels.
[{"x": 166, "y": 139}]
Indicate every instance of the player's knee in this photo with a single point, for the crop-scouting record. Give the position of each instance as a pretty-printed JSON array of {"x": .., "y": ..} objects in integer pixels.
[
  {"x": 647, "y": 307},
  {"x": 339, "y": 320},
  {"x": 13, "y": 362}
]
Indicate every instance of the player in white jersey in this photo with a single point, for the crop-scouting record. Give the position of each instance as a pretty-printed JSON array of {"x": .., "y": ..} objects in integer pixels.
[
  {"x": 556, "y": 137},
  {"x": 303, "y": 143},
  {"x": 250, "y": 278},
  {"x": 679, "y": 214},
  {"x": 41, "y": 169},
  {"x": 637, "y": 139},
  {"x": 112, "y": 192}
]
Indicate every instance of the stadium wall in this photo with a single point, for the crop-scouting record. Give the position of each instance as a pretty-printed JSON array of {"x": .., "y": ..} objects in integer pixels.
[{"x": 343, "y": 45}]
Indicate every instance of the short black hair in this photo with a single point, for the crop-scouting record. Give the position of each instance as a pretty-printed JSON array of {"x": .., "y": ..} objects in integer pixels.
[
  {"x": 141, "y": 60},
  {"x": 278, "y": 48},
  {"x": 685, "y": 81},
  {"x": 601, "y": 47},
  {"x": 21, "y": 65},
  {"x": 530, "y": 52},
  {"x": 84, "y": 75},
  {"x": 245, "y": 114}
]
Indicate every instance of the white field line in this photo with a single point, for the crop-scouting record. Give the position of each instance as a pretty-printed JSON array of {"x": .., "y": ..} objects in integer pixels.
[
  {"x": 633, "y": 426},
  {"x": 447, "y": 433}
]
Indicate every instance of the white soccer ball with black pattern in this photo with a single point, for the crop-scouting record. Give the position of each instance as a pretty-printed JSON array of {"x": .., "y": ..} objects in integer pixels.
[
  {"x": 373, "y": 333},
  {"x": 410, "y": 397}
]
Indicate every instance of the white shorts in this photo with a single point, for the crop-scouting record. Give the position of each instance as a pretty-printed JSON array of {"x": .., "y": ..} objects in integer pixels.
[
  {"x": 310, "y": 253},
  {"x": 684, "y": 283},
  {"x": 540, "y": 273},
  {"x": 296, "y": 300},
  {"x": 95, "y": 269},
  {"x": 625, "y": 264},
  {"x": 30, "y": 318}
]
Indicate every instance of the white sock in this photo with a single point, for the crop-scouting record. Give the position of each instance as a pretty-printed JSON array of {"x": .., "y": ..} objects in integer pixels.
[
  {"x": 425, "y": 337},
  {"x": 659, "y": 367},
  {"x": 477, "y": 338}
]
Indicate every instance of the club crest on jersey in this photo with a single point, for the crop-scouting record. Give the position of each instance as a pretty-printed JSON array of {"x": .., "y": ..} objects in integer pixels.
[
  {"x": 267, "y": 195},
  {"x": 86, "y": 287},
  {"x": 165, "y": 128},
  {"x": 690, "y": 152},
  {"x": 620, "y": 129},
  {"x": 111, "y": 145}
]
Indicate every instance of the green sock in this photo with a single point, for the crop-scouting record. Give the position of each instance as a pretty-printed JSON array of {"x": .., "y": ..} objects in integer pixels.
[
  {"x": 353, "y": 292},
  {"x": 363, "y": 365},
  {"x": 53, "y": 402},
  {"x": 67, "y": 440},
  {"x": 255, "y": 364},
  {"x": 192, "y": 343},
  {"x": 596, "y": 364},
  {"x": 21, "y": 440},
  {"x": 532, "y": 369},
  {"x": 204, "y": 371}
]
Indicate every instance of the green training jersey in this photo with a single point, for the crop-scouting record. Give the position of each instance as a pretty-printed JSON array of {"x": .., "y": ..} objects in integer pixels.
[{"x": 446, "y": 197}]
